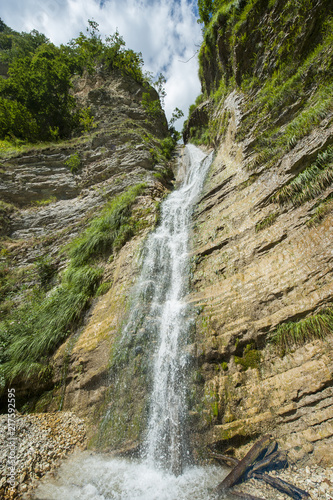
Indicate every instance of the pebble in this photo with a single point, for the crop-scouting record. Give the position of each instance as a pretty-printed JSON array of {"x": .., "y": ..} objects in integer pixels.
[
  {"x": 41, "y": 440},
  {"x": 314, "y": 479}
]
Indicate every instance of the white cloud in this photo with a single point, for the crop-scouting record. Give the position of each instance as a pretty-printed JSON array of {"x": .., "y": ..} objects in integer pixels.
[{"x": 166, "y": 32}]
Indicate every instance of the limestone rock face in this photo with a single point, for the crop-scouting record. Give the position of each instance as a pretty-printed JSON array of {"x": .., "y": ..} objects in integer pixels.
[
  {"x": 48, "y": 197},
  {"x": 63, "y": 183},
  {"x": 247, "y": 279}
]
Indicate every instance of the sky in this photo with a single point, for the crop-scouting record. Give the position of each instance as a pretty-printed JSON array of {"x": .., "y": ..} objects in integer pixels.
[{"x": 166, "y": 32}]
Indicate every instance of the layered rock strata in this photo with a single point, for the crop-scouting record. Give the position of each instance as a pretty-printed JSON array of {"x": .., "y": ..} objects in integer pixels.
[{"x": 246, "y": 281}]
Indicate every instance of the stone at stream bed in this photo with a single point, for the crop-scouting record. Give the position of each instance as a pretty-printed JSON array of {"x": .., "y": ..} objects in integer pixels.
[{"x": 41, "y": 440}]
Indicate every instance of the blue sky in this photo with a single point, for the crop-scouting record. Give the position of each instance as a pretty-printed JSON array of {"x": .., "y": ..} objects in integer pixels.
[{"x": 166, "y": 32}]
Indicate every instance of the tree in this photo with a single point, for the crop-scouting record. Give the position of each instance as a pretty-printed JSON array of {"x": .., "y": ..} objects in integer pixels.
[
  {"x": 40, "y": 85},
  {"x": 205, "y": 8}
]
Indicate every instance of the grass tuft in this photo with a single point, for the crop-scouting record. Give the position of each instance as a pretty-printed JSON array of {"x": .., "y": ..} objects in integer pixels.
[
  {"x": 309, "y": 183},
  {"x": 292, "y": 333},
  {"x": 109, "y": 231},
  {"x": 266, "y": 222},
  {"x": 323, "y": 209}
]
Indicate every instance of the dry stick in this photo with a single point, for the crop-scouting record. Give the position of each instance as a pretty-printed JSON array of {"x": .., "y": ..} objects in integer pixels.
[
  {"x": 272, "y": 447},
  {"x": 283, "y": 486},
  {"x": 240, "y": 469},
  {"x": 277, "y": 458}
]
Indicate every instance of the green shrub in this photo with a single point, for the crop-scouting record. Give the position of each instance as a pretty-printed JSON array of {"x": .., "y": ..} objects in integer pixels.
[
  {"x": 151, "y": 106},
  {"x": 73, "y": 162}
]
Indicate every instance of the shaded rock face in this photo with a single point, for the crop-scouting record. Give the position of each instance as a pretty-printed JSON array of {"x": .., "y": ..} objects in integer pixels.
[
  {"x": 198, "y": 119},
  {"x": 247, "y": 279}
]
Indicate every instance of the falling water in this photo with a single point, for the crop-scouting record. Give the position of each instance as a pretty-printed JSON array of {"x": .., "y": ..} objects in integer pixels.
[
  {"x": 159, "y": 312},
  {"x": 166, "y": 269}
]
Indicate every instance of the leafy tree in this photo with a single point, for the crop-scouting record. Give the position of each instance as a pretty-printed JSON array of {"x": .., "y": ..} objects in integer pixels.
[
  {"x": 14, "y": 44},
  {"x": 205, "y": 8},
  {"x": 40, "y": 86}
]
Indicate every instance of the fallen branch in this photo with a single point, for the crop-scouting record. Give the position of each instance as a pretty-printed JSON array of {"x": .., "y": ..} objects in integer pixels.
[
  {"x": 250, "y": 466},
  {"x": 271, "y": 448},
  {"x": 243, "y": 465},
  {"x": 283, "y": 486},
  {"x": 275, "y": 460}
]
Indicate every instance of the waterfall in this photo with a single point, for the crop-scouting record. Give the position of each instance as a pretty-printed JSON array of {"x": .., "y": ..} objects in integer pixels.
[
  {"x": 160, "y": 314},
  {"x": 168, "y": 254}
]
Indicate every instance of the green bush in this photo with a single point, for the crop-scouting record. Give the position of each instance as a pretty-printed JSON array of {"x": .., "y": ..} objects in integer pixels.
[
  {"x": 73, "y": 162},
  {"x": 35, "y": 100}
]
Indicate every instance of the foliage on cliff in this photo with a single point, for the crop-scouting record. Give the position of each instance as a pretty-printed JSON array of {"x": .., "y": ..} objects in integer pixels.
[
  {"x": 35, "y": 100},
  {"x": 279, "y": 56},
  {"x": 54, "y": 308}
]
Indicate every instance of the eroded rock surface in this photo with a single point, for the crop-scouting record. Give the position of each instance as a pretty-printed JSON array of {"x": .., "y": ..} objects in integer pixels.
[{"x": 246, "y": 281}]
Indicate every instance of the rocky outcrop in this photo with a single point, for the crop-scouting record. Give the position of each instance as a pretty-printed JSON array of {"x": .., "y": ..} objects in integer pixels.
[
  {"x": 247, "y": 279},
  {"x": 49, "y": 196},
  {"x": 199, "y": 119}
]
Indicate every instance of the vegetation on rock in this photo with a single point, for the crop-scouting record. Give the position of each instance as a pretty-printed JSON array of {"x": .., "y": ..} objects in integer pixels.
[
  {"x": 287, "y": 335},
  {"x": 31, "y": 332},
  {"x": 36, "y": 102}
]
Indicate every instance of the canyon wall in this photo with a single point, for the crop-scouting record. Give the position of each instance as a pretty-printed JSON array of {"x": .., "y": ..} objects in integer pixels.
[
  {"x": 51, "y": 195},
  {"x": 262, "y": 235}
]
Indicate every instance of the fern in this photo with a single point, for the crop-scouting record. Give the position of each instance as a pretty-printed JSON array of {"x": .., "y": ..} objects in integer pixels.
[{"x": 309, "y": 183}]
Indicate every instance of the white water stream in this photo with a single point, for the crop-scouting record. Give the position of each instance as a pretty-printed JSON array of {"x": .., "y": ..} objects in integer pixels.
[{"x": 164, "y": 471}]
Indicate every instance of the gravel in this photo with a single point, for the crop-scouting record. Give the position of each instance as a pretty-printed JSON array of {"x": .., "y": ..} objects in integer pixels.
[
  {"x": 315, "y": 480},
  {"x": 42, "y": 440}
]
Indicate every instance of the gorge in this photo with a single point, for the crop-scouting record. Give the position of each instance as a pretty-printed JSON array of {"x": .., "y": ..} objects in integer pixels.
[{"x": 83, "y": 228}]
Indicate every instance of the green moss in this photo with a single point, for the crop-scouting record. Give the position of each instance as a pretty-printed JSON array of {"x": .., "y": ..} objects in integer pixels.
[{"x": 250, "y": 359}]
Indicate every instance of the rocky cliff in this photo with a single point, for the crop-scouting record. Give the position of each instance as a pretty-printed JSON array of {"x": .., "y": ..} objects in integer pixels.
[
  {"x": 74, "y": 217},
  {"x": 105, "y": 186},
  {"x": 262, "y": 236}
]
